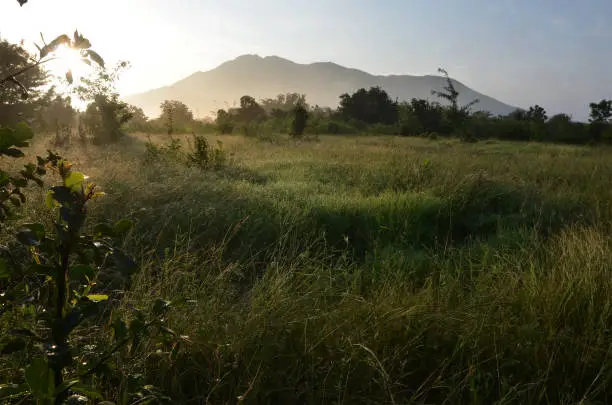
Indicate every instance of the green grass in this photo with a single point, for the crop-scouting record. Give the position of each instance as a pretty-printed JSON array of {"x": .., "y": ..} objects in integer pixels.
[{"x": 374, "y": 269}]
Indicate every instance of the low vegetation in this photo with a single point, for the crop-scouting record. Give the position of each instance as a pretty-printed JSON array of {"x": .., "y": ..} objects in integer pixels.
[{"x": 264, "y": 267}]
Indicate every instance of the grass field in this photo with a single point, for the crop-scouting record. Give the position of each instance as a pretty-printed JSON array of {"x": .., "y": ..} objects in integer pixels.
[{"x": 373, "y": 269}]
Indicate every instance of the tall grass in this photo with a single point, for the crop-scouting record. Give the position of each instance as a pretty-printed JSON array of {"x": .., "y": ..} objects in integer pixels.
[{"x": 374, "y": 270}]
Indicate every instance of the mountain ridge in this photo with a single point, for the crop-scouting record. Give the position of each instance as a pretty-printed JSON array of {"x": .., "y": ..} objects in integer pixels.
[{"x": 323, "y": 82}]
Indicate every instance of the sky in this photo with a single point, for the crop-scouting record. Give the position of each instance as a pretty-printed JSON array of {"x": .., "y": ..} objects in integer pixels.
[{"x": 555, "y": 53}]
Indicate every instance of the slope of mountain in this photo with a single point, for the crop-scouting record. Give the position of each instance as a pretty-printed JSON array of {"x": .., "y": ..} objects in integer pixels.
[{"x": 322, "y": 82}]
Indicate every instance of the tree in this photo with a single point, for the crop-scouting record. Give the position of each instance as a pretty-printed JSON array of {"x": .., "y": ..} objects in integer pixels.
[
  {"x": 106, "y": 113},
  {"x": 601, "y": 112},
  {"x": 59, "y": 116},
  {"x": 456, "y": 115},
  {"x": 373, "y": 106},
  {"x": 536, "y": 113},
  {"x": 300, "y": 118},
  {"x": 283, "y": 103},
  {"x": 138, "y": 122},
  {"x": 599, "y": 118},
  {"x": 250, "y": 110},
  {"x": 224, "y": 122},
  {"x": 421, "y": 116},
  {"x": 175, "y": 116},
  {"x": 14, "y": 102}
]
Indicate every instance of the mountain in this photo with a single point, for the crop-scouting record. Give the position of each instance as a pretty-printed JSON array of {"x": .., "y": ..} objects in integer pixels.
[{"x": 322, "y": 82}]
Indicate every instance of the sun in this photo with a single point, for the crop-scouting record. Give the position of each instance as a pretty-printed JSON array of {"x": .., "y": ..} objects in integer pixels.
[{"x": 65, "y": 60}]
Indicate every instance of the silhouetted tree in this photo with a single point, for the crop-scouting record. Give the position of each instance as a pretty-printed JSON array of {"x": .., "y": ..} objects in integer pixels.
[
  {"x": 283, "y": 103},
  {"x": 422, "y": 116},
  {"x": 106, "y": 113},
  {"x": 300, "y": 118},
  {"x": 373, "y": 106},
  {"x": 599, "y": 118},
  {"x": 456, "y": 115},
  {"x": 536, "y": 113},
  {"x": 138, "y": 122},
  {"x": 250, "y": 110},
  {"x": 14, "y": 105},
  {"x": 224, "y": 122},
  {"x": 59, "y": 116},
  {"x": 175, "y": 116}
]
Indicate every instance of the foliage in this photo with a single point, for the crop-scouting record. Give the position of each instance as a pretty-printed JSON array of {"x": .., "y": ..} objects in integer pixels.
[
  {"x": 456, "y": 115},
  {"x": 14, "y": 103},
  {"x": 170, "y": 150},
  {"x": 501, "y": 246},
  {"x": 537, "y": 113},
  {"x": 373, "y": 106},
  {"x": 299, "y": 121},
  {"x": 106, "y": 113},
  {"x": 56, "y": 289},
  {"x": 138, "y": 122},
  {"x": 176, "y": 116},
  {"x": 205, "y": 157},
  {"x": 250, "y": 111},
  {"x": 224, "y": 122},
  {"x": 59, "y": 116},
  {"x": 283, "y": 103}
]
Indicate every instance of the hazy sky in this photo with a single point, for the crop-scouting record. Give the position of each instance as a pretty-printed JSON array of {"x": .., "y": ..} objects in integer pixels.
[{"x": 557, "y": 53}]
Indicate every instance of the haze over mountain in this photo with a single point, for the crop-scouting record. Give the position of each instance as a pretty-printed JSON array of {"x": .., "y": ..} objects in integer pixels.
[{"x": 322, "y": 82}]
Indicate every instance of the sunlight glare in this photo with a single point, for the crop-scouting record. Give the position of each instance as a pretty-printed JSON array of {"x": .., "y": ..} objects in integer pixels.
[{"x": 67, "y": 59}]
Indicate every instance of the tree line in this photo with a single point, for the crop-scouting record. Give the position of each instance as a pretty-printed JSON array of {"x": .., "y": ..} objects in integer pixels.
[{"x": 366, "y": 111}]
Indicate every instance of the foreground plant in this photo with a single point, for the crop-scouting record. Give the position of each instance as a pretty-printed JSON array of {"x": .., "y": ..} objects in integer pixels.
[
  {"x": 56, "y": 295},
  {"x": 53, "y": 294}
]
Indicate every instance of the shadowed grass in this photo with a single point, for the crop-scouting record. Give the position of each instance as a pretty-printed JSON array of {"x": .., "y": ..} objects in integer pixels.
[{"x": 374, "y": 270}]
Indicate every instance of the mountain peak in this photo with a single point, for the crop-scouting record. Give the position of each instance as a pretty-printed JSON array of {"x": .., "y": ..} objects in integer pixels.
[{"x": 267, "y": 76}]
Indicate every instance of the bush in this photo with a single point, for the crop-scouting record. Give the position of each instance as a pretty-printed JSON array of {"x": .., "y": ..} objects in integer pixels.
[
  {"x": 172, "y": 150},
  {"x": 205, "y": 157},
  {"x": 300, "y": 118}
]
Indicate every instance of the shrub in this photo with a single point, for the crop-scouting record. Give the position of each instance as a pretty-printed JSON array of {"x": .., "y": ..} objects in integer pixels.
[
  {"x": 205, "y": 157},
  {"x": 171, "y": 150},
  {"x": 300, "y": 118}
]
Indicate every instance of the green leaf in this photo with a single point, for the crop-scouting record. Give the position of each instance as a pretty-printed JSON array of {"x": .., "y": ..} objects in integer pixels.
[
  {"x": 12, "y": 152},
  {"x": 124, "y": 263},
  {"x": 4, "y": 270},
  {"x": 44, "y": 269},
  {"x": 24, "y": 333},
  {"x": 23, "y": 133},
  {"x": 103, "y": 230},
  {"x": 49, "y": 201},
  {"x": 13, "y": 346},
  {"x": 95, "y": 57},
  {"x": 80, "y": 272},
  {"x": 74, "y": 180},
  {"x": 12, "y": 390},
  {"x": 39, "y": 377},
  {"x": 120, "y": 329},
  {"x": 4, "y": 178},
  {"x": 97, "y": 297},
  {"x": 80, "y": 42},
  {"x": 53, "y": 45},
  {"x": 31, "y": 234},
  {"x": 88, "y": 391},
  {"x": 123, "y": 226},
  {"x": 63, "y": 387},
  {"x": 160, "y": 306},
  {"x": 63, "y": 194}
]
